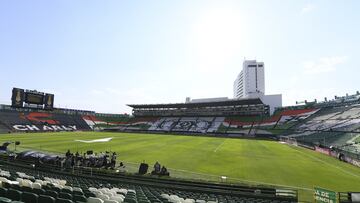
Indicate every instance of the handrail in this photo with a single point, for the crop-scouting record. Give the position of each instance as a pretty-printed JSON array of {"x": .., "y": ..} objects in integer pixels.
[{"x": 86, "y": 172}]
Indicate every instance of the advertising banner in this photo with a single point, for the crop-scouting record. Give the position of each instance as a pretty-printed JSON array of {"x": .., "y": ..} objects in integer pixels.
[
  {"x": 322, "y": 150},
  {"x": 324, "y": 196}
]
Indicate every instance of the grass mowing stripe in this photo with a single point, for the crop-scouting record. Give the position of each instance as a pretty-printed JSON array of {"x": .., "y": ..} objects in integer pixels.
[{"x": 243, "y": 161}]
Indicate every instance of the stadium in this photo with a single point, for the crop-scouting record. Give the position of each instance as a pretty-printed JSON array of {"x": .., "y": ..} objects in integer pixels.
[
  {"x": 165, "y": 101},
  {"x": 225, "y": 150}
]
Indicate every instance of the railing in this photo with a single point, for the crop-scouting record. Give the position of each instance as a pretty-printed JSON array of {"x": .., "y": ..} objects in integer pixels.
[{"x": 171, "y": 183}]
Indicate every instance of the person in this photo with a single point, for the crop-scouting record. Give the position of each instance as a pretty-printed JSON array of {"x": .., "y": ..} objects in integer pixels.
[
  {"x": 164, "y": 171},
  {"x": 157, "y": 167},
  {"x": 113, "y": 161},
  {"x": 72, "y": 160},
  {"x": 68, "y": 163},
  {"x": 105, "y": 161},
  {"x": 156, "y": 170},
  {"x": 67, "y": 153},
  {"x": 143, "y": 168}
]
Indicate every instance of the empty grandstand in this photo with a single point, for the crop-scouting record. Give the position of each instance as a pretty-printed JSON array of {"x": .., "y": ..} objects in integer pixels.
[
  {"x": 331, "y": 127},
  {"x": 35, "y": 120},
  {"x": 218, "y": 108},
  {"x": 197, "y": 117}
]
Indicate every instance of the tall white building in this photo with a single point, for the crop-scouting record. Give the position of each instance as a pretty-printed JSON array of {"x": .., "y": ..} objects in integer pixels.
[
  {"x": 250, "y": 83},
  {"x": 251, "y": 80}
]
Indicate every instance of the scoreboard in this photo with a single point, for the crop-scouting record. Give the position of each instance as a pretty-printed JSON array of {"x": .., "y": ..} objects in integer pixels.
[
  {"x": 34, "y": 98},
  {"x": 21, "y": 97}
]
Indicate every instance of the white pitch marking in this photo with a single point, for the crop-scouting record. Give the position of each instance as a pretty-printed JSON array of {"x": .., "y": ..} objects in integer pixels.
[
  {"x": 240, "y": 180},
  {"x": 245, "y": 180},
  {"x": 334, "y": 166},
  {"x": 97, "y": 140},
  {"x": 218, "y": 147}
]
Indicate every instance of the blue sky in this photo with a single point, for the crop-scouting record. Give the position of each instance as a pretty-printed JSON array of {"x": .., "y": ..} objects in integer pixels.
[{"x": 101, "y": 55}]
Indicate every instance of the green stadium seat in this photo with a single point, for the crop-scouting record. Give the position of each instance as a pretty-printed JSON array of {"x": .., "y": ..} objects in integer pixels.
[
  {"x": 79, "y": 198},
  {"x": 29, "y": 197},
  {"x": 133, "y": 193},
  {"x": 56, "y": 189},
  {"x": 78, "y": 193},
  {"x": 25, "y": 189},
  {"x": 46, "y": 199},
  {"x": 64, "y": 195},
  {"x": 89, "y": 194},
  {"x": 3, "y": 192},
  {"x": 61, "y": 200},
  {"x": 39, "y": 191},
  {"x": 130, "y": 200},
  {"x": 16, "y": 187},
  {"x": 6, "y": 185},
  {"x": 52, "y": 193},
  {"x": 14, "y": 195},
  {"x": 67, "y": 191},
  {"x": 4, "y": 200}
]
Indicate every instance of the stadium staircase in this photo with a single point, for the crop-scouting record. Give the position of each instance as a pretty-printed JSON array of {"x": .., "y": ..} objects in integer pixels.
[
  {"x": 330, "y": 126},
  {"x": 4, "y": 128},
  {"x": 215, "y": 124},
  {"x": 80, "y": 122}
]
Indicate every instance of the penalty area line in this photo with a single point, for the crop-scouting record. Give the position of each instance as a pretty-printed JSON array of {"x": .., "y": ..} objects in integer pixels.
[{"x": 244, "y": 181}]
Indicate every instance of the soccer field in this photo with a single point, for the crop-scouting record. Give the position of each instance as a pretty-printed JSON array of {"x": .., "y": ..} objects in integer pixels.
[{"x": 208, "y": 158}]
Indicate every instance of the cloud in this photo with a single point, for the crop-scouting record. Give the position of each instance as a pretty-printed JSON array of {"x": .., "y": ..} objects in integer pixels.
[
  {"x": 324, "y": 65},
  {"x": 308, "y": 8}
]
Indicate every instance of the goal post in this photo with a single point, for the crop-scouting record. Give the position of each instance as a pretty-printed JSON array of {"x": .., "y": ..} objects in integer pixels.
[{"x": 288, "y": 140}]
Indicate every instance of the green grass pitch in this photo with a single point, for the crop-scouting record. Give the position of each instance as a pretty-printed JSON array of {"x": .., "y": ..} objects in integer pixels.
[{"x": 245, "y": 161}]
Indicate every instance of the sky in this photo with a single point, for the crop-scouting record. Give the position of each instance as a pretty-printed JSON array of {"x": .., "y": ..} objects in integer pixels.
[{"x": 102, "y": 55}]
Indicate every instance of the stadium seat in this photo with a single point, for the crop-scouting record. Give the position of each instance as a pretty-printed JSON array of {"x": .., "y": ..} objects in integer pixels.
[
  {"x": 103, "y": 196},
  {"x": 56, "y": 189},
  {"x": 110, "y": 201},
  {"x": 24, "y": 189},
  {"x": 52, "y": 193},
  {"x": 6, "y": 184},
  {"x": 94, "y": 200},
  {"x": 79, "y": 198},
  {"x": 89, "y": 194},
  {"x": 114, "y": 192},
  {"x": 46, "y": 199},
  {"x": 36, "y": 186},
  {"x": 3, "y": 192},
  {"x": 118, "y": 198},
  {"x": 14, "y": 195},
  {"x": 61, "y": 200},
  {"x": 4, "y": 200},
  {"x": 39, "y": 191},
  {"x": 65, "y": 195},
  {"x": 29, "y": 197}
]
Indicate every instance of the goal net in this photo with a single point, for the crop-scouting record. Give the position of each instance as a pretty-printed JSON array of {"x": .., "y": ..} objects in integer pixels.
[{"x": 288, "y": 140}]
